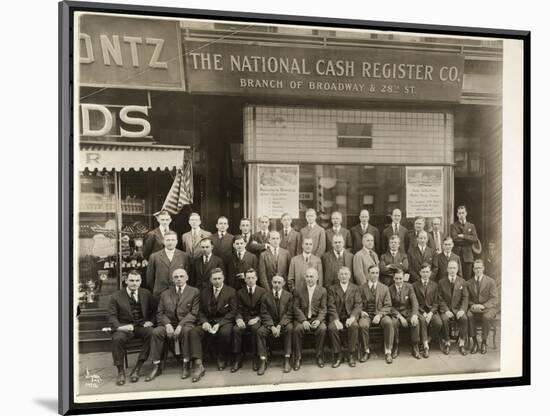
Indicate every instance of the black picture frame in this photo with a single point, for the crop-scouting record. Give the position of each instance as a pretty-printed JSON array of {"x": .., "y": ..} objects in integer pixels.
[{"x": 67, "y": 405}]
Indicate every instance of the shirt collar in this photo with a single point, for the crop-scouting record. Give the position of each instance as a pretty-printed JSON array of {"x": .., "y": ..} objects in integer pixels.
[
  {"x": 425, "y": 281},
  {"x": 311, "y": 289},
  {"x": 130, "y": 292},
  {"x": 479, "y": 279},
  {"x": 344, "y": 286},
  {"x": 372, "y": 284},
  {"x": 394, "y": 253},
  {"x": 338, "y": 254},
  {"x": 219, "y": 289},
  {"x": 253, "y": 288},
  {"x": 336, "y": 229},
  {"x": 169, "y": 251},
  {"x": 180, "y": 288}
]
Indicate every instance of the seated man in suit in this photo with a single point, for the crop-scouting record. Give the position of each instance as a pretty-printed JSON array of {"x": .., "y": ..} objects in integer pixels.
[
  {"x": 419, "y": 254},
  {"x": 335, "y": 259},
  {"x": 203, "y": 265},
  {"x": 358, "y": 233},
  {"x": 310, "y": 310},
  {"x": 191, "y": 240},
  {"x": 315, "y": 232},
  {"x": 290, "y": 238},
  {"x": 376, "y": 311},
  {"x": 259, "y": 241},
  {"x": 154, "y": 240},
  {"x": 427, "y": 294},
  {"x": 241, "y": 261},
  {"x": 300, "y": 263},
  {"x": 177, "y": 314},
  {"x": 343, "y": 311},
  {"x": 395, "y": 228},
  {"x": 442, "y": 259},
  {"x": 363, "y": 259},
  {"x": 163, "y": 263},
  {"x": 337, "y": 229},
  {"x": 412, "y": 236},
  {"x": 273, "y": 261},
  {"x": 248, "y": 318},
  {"x": 404, "y": 312},
  {"x": 392, "y": 260},
  {"x": 131, "y": 315},
  {"x": 453, "y": 304},
  {"x": 276, "y": 316},
  {"x": 482, "y": 309},
  {"x": 218, "y": 307},
  {"x": 222, "y": 241}
]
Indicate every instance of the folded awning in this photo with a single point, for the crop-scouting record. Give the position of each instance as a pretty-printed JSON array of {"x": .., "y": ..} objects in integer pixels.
[{"x": 123, "y": 157}]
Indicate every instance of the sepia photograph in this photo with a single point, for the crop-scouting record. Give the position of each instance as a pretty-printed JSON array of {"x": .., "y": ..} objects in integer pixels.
[{"x": 273, "y": 207}]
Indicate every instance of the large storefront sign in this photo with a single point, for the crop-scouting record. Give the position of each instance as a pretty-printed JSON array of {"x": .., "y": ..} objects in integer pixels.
[
  {"x": 425, "y": 192},
  {"x": 278, "y": 190},
  {"x": 366, "y": 73},
  {"x": 130, "y": 52}
]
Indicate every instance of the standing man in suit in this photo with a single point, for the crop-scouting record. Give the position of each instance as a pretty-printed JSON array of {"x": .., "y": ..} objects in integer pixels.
[
  {"x": 343, "y": 312},
  {"x": 276, "y": 316},
  {"x": 404, "y": 313},
  {"x": 395, "y": 228},
  {"x": 363, "y": 259},
  {"x": 412, "y": 236},
  {"x": 192, "y": 239},
  {"x": 300, "y": 263},
  {"x": 154, "y": 240},
  {"x": 177, "y": 314},
  {"x": 358, "y": 232},
  {"x": 245, "y": 227},
  {"x": 376, "y": 311},
  {"x": 453, "y": 304},
  {"x": 427, "y": 294},
  {"x": 437, "y": 234},
  {"x": 310, "y": 310},
  {"x": 337, "y": 229},
  {"x": 290, "y": 238},
  {"x": 131, "y": 315},
  {"x": 334, "y": 260},
  {"x": 203, "y": 265},
  {"x": 274, "y": 261},
  {"x": 442, "y": 259},
  {"x": 248, "y": 318},
  {"x": 259, "y": 241},
  {"x": 392, "y": 260},
  {"x": 315, "y": 232},
  {"x": 241, "y": 261},
  {"x": 464, "y": 235},
  {"x": 218, "y": 307},
  {"x": 419, "y": 254},
  {"x": 222, "y": 241},
  {"x": 482, "y": 309},
  {"x": 163, "y": 263}
]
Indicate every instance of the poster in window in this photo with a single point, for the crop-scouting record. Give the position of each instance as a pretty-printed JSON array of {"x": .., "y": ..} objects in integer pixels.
[
  {"x": 424, "y": 191},
  {"x": 278, "y": 190}
]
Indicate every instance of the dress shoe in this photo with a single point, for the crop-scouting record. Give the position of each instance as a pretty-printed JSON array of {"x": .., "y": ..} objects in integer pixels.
[
  {"x": 462, "y": 350},
  {"x": 351, "y": 360},
  {"x": 337, "y": 361},
  {"x": 221, "y": 364},
  {"x": 446, "y": 349},
  {"x": 426, "y": 353},
  {"x": 475, "y": 348},
  {"x": 395, "y": 352},
  {"x": 186, "y": 370},
  {"x": 483, "y": 349},
  {"x": 255, "y": 364},
  {"x": 363, "y": 357},
  {"x": 389, "y": 360},
  {"x": 297, "y": 363},
  {"x": 415, "y": 352},
  {"x": 238, "y": 364},
  {"x": 156, "y": 371},
  {"x": 134, "y": 375},
  {"x": 121, "y": 379},
  {"x": 198, "y": 373},
  {"x": 262, "y": 367},
  {"x": 320, "y": 362},
  {"x": 286, "y": 365}
]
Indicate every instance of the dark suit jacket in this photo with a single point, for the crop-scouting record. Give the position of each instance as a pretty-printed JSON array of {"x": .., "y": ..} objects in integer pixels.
[
  {"x": 427, "y": 299},
  {"x": 344, "y": 232},
  {"x": 224, "y": 310},
  {"x": 292, "y": 242},
  {"x": 388, "y": 232},
  {"x": 201, "y": 271},
  {"x": 487, "y": 295},
  {"x": 331, "y": 267},
  {"x": 406, "y": 304},
  {"x": 223, "y": 248},
  {"x": 416, "y": 259},
  {"x": 439, "y": 268},
  {"x": 458, "y": 300},
  {"x": 236, "y": 266},
  {"x": 153, "y": 242},
  {"x": 120, "y": 312},
  {"x": 159, "y": 269},
  {"x": 344, "y": 304},
  {"x": 386, "y": 260},
  {"x": 463, "y": 246},
  {"x": 257, "y": 243},
  {"x": 248, "y": 308},
  {"x": 357, "y": 238},
  {"x": 319, "y": 237},
  {"x": 318, "y": 304},
  {"x": 178, "y": 310},
  {"x": 273, "y": 316},
  {"x": 269, "y": 266},
  {"x": 410, "y": 241},
  {"x": 382, "y": 299}
]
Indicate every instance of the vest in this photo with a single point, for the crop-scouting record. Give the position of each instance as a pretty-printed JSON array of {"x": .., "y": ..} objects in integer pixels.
[{"x": 135, "y": 308}]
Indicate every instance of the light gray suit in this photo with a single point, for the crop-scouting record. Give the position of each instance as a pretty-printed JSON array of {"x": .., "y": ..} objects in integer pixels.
[
  {"x": 192, "y": 245},
  {"x": 298, "y": 267},
  {"x": 362, "y": 260}
]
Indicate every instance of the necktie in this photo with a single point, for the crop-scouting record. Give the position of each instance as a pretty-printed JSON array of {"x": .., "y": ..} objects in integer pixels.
[
  {"x": 276, "y": 252},
  {"x": 307, "y": 259},
  {"x": 371, "y": 253},
  {"x": 216, "y": 292},
  {"x": 399, "y": 293},
  {"x": 372, "y": 289},
  {"x": 396, "y": 229},
  {"x": 205, "y": 259},
  {"x": 246, "y": 238},
  {"x": 133, "y": 294},
  {"x": 180, "y": 291},
  {"x": 309, "y": 305},
  {"x": 241, "y": 256},
  {"x": 477, "y": 285},
  {"x": 221, "y": 236},
  {"x": 250, "y": 293},
  {"x": 286, "y": 233}
]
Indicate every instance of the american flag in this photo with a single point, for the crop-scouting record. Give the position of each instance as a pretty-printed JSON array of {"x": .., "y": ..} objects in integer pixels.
[{"x": 181, "y": 192}]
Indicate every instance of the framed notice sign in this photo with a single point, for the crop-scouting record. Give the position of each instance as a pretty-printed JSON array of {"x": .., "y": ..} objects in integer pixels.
[{"x": 234, "y": 187}]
